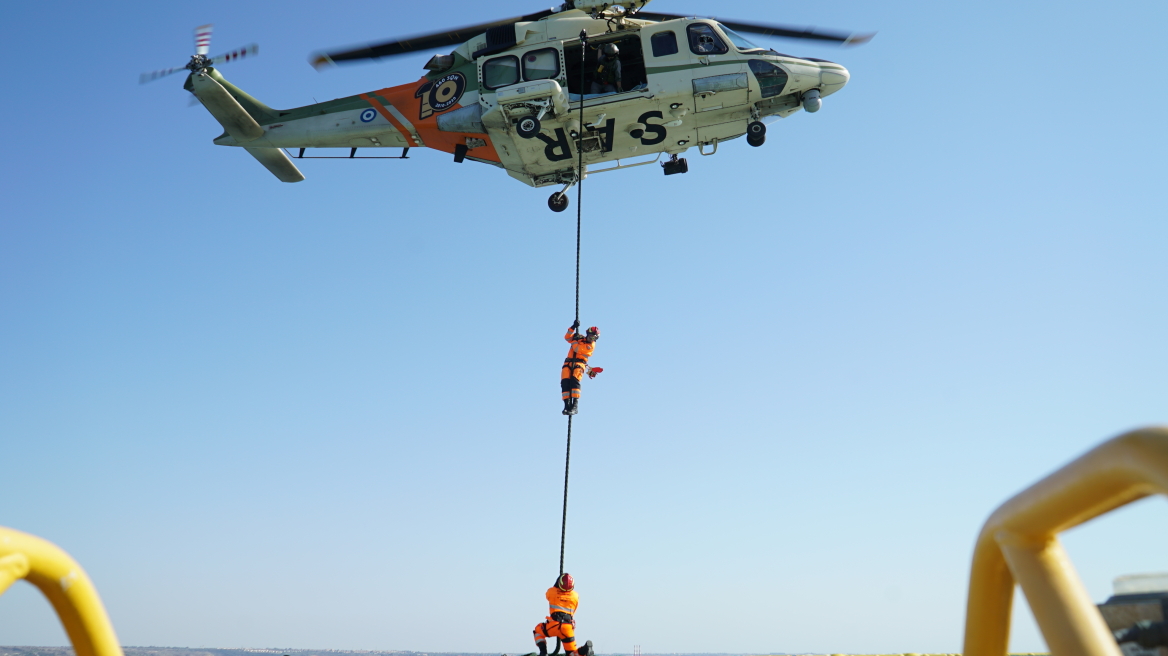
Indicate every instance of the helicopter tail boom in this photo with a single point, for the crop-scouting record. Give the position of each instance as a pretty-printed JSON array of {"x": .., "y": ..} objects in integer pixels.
[
  {"x": 227, "y": 104},
  {"x": 225, "y": 108}
]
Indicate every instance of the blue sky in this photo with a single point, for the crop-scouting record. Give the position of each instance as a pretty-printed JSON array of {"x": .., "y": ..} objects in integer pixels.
[{"x": 326, "y": 414}]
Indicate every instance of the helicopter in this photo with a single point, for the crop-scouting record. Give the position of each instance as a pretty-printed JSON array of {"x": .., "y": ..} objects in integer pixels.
[{"x": 522, "y": 94}]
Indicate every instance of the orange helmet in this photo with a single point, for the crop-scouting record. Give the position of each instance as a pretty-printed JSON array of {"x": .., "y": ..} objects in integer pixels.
[{"x": 566, "y": 582}]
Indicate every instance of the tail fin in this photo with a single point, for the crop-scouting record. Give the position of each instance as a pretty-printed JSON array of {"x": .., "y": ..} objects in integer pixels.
[
  {"x": 239, "y": 114},
  {"x": 278, "y": 162},
  {"x": 254, "y": 108}
]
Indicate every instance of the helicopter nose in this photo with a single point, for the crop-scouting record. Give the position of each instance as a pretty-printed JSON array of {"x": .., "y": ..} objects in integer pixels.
[{"x": 833, "y": 79}]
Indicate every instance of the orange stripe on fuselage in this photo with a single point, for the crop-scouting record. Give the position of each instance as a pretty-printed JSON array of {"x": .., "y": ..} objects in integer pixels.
[
  {"x": 404, "y": 98},
  {"x": 376, "y": 104}
]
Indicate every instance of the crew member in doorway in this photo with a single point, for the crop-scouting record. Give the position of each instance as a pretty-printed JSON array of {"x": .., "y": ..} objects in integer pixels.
[
  {"x": 561, "y": 621},
  {"x": 576, "y": 365},
  {"x": 607, "y": 76}
]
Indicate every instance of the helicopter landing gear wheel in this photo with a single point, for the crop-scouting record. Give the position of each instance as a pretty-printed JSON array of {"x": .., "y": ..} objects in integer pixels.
[
  {"x": 527, "y": 127},
  {"x": 558, "y": 202},
  {"x": 756, "y": 134}
]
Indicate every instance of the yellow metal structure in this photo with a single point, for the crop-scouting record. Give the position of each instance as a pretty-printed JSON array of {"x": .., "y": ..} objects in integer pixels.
[
  {"x": 1019, "y": 544},
  {"x": 61, "y": 579}
]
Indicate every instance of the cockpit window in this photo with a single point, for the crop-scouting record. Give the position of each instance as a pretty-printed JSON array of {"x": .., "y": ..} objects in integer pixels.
[
  {"x": 541, "y": 64},
  {"x": 501, "y": 72},
  {"x": 737, "y": 39},
  {"x": 703, "y": 40},
  {"x": 771, "y": 78}
]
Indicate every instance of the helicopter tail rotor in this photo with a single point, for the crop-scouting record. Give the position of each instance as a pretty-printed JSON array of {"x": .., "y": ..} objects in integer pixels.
[
  {"x": 250, "y": 49},
  {"x": 154, "y": 75},
  {"x": 203, "y": 39},
  {"x": 200, "y": 60}
]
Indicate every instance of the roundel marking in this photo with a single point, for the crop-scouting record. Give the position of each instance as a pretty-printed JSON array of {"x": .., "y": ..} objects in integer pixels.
[
  {"x": 368, "y": 115},
  {"x": 447, "y": 91}
]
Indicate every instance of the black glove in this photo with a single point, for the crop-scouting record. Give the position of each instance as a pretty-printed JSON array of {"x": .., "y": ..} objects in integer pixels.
[{"x": 575, "y": 324}]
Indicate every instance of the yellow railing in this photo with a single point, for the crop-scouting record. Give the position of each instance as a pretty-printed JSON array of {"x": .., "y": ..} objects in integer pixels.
[
  {"x": 61, "y": 579},
  {"x": 1019, "y": 544}
]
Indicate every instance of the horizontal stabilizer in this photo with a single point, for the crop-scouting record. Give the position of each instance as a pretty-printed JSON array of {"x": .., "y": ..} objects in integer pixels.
[
  {"x": 227, "y": 110},
  {"x": 278, "y": 162}
]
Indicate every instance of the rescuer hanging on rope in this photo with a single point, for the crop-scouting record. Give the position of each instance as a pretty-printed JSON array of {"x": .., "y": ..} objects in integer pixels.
[
  {"x": 561, "y": 621},
  {"x": 576, "y": 365}
]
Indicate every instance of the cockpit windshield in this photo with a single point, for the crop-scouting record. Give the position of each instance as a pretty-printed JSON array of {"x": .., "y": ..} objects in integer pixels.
[{"x": 737, "y": 39}]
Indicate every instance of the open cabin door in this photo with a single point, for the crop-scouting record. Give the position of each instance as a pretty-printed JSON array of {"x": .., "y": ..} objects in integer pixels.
[{"x": 583, "y": 75}]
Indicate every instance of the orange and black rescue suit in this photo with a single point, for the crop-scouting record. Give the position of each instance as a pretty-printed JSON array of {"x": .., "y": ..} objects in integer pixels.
[
  {"x": 561, "y": 623},
  {"x": 575, "y": 364}
]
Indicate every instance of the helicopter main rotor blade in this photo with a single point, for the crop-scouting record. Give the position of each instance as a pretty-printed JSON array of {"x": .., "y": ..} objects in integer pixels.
[
  {"x": 844, "y": 38},
  {"x": 417, "y": 42}
]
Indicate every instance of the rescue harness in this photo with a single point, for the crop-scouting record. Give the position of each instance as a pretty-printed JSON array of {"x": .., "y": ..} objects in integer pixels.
[{"x": 605, "y": 74}]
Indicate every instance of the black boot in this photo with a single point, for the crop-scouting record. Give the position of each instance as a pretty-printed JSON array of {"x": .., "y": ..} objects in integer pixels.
[
  {"x": 572, "y": 409},
  {"x": 567, "y": 407},
  {"x": 586, "y": 650},
  {"x": 542, "y": 648}
]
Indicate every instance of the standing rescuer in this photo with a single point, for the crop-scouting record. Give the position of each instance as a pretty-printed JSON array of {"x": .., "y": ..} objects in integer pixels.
[
  {"x": 607, "y": 76},
  {"x": 561, "y": 622},
  {"x": 576, "y": 365}
]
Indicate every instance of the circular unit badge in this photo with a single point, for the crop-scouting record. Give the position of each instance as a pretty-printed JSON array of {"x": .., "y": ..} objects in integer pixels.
[
  {"x": 447, "y": 91},
  {"x": 368, "y": 115}
]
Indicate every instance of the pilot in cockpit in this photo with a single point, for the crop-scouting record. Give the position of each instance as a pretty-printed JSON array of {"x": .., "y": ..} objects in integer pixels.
[{"x": 702, "y": 40}]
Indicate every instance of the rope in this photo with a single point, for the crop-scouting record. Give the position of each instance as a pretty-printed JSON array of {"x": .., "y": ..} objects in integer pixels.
[
  {"x": 564, "y": 524},
  {"x": 580, "y": 167},
  {"x": 579, "y": 221},
  {"x": 579, "y": 194}
]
